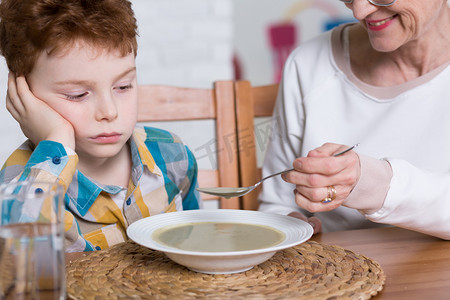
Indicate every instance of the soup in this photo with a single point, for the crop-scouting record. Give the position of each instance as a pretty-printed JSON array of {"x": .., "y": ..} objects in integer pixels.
[{"x": 218, "y": 237}]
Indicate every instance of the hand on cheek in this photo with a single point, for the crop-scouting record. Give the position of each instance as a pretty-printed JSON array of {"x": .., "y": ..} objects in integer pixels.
[{"x": 37, "y": 120}]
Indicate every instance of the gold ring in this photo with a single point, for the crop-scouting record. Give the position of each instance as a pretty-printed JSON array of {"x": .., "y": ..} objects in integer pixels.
[{"x": 331, "y": 194}]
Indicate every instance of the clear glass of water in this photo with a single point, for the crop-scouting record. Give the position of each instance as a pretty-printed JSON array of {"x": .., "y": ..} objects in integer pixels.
[{"x": 32, "y": 241}]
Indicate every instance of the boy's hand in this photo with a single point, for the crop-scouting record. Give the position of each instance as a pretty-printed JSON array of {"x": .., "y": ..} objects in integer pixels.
[{"x": 37, "y": 120}]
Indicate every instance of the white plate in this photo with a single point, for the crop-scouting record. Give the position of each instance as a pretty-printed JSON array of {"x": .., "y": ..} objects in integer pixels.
[{"x": 296, "y": 232}]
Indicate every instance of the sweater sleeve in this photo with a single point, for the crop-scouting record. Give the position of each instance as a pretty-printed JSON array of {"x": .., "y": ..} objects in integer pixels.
[
  {"x": 417, "y": 200},
  {"x": 285, "y": 144}
]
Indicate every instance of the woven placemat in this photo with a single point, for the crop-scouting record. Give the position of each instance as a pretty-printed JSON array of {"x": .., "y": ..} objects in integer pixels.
[{"x": 308, "y": 271}]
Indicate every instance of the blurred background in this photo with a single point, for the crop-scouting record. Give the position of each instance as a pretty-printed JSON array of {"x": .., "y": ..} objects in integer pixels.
[{"x": 192, "y": 43}]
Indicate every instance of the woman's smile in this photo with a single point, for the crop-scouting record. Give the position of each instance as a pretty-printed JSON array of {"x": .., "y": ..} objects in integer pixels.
[{"x": 379, "y": 24}]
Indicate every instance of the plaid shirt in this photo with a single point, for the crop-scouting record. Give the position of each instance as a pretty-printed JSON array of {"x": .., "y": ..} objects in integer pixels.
[{"x": 163, "y": 179}]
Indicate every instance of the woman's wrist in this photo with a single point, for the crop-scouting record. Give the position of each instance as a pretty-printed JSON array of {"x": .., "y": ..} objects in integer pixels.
[{"x": 370, "y": 192}]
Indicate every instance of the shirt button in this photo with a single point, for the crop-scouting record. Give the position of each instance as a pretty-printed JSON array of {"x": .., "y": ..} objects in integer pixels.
[
  {"x": 128, "y": 201},
  {"x": 56, "y": 160},
  {"x": 98, "y": 248}
]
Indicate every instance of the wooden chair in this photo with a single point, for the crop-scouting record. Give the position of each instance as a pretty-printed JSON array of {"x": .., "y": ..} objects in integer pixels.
[
  {"x": 168, "y": 103},
  {"x": 251, "y": 102}
]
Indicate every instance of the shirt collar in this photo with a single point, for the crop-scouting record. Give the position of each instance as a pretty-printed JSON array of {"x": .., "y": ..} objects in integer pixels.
[{"x": 142, "y": 153}]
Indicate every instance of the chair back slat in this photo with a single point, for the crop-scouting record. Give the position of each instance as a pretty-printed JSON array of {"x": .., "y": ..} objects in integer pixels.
[
  {"x": 251, "y": 102},
  {"x": 169, "y": 103}
]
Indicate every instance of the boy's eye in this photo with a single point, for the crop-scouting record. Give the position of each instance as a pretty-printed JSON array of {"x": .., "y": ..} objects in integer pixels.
[
  {"x": 77, "y": 97},
  {"x": 124, "y": 87}
]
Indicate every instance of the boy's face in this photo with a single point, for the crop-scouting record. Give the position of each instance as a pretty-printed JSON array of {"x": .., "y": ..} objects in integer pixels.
[{"x": 95, "y": 90}]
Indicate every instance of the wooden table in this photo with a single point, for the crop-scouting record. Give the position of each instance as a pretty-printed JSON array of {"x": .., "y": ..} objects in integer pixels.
[{"x": 417, "y": 266}]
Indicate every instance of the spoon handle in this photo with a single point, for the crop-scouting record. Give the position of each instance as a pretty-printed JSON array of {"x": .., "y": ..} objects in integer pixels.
[
  {"x": 275, "y": 174},
  {"x": 346, "y": 150}
]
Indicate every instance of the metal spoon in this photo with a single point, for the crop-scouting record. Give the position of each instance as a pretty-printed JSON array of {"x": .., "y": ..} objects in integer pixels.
[{"x": 229, "y": 192}]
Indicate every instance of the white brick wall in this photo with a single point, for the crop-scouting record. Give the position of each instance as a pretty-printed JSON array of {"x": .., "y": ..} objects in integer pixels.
[
  {"x": 184, "y": 42},
  {"x": 10, "y": 134},
  {"x": 181, "y": 42}
]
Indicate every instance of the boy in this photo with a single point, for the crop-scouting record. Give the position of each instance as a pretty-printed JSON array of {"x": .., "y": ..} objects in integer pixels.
[{"x": 73, "y": 89}]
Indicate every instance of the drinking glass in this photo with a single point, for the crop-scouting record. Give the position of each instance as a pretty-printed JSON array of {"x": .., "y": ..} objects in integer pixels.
[{"x": 32, "y": 241}]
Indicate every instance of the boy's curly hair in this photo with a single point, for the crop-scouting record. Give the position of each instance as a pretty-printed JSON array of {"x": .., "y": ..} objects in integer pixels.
[{"x": 29, "y": 27}]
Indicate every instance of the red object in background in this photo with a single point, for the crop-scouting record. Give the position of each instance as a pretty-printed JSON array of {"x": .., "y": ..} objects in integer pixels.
[
  {"x": 237, "y": 67},
  {"x": 283, "y": 39}
]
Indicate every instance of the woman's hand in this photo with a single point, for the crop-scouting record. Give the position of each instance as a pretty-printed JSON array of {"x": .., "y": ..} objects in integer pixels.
[
  {"x": 36, "y": 118},
  {"x": 316, "y": 176}
]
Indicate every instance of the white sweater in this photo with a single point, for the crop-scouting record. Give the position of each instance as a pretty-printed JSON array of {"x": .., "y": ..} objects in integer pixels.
[{"x": 406, "y": 127}]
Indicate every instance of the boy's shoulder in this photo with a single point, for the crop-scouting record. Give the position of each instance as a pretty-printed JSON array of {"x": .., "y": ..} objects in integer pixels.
[
  {"x": 163, "y": 147},
  {"x": 158, "y": 135}
]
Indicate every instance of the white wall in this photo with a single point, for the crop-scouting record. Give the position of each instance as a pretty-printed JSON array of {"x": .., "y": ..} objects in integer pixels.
[
  {"x": 184, "y": 42},
  {"x": 10, "y": 135}
]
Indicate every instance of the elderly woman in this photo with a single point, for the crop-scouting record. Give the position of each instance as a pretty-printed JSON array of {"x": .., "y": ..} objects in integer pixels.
[{"x": 383, "y": 82}]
